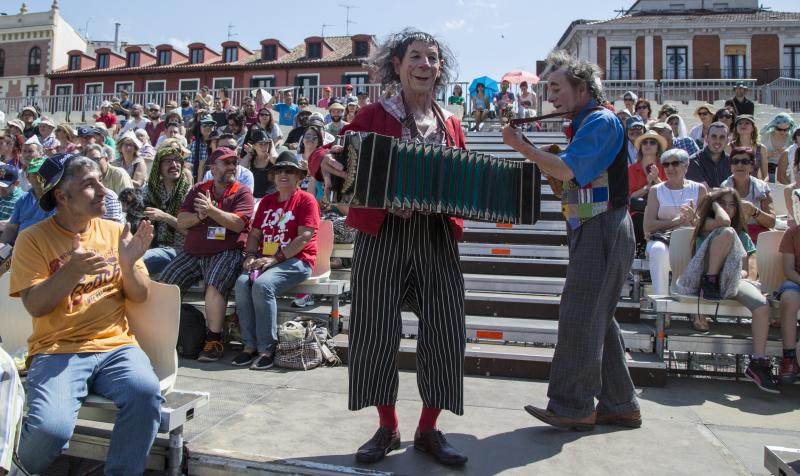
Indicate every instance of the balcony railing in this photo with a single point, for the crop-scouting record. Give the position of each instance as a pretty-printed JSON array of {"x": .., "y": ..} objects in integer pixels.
[{"x": 621, "y": 75}]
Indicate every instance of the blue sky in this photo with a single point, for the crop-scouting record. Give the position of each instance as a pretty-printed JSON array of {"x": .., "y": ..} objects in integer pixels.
[{"x": 488, "y": 36}]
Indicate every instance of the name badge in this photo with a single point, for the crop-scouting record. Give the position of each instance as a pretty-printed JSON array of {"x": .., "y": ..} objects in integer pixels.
[
  {"x": 269, "y": 248},
  {"x": 216, "y": 233}
]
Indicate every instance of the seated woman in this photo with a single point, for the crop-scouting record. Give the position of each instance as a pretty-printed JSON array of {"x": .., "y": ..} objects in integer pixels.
[
  {"x": 644, "y": 174},
  {"x": 295, "y": 136},
  {"x": 130, "y": 160},
  {"x": 794, "y": 185},
  {"x": 721, "y": 249},
  {"x": 790, "y": 303},
  {"x": 480, "y": 106},
  {"x": 777, "y": 136},
  {"x": 457, "y": 98},
  {"x": 786, "y": 159},
  {"x": 164, "y": 192},
  {"x": 259, "y": 157},
  {"x": 670, "y": 204},
  {"x": 756, "y": 198},
  {"x": 281, "y": 249}
]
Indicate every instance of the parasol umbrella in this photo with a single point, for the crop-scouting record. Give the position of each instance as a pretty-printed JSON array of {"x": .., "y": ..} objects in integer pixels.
[
  {"x": 518, "y": 76},
  {"x": 488, "y": 83}
]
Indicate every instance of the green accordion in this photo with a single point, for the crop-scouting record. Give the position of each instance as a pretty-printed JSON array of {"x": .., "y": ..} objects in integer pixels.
[{"x": 385, "y": 172}]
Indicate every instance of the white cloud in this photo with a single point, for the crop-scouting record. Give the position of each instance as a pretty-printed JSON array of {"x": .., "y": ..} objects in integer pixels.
[
  {"x": 178, "y": 43},
  {"x": 452, "y": 25}
]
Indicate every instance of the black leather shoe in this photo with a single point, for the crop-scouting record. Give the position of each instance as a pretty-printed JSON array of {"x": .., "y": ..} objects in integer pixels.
[
  {"x": 382, "y": 442},
  {"x": 433, "y": 442}
]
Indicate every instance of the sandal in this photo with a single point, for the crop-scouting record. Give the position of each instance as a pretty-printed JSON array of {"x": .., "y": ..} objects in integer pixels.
[{"x": 700, "y": 323}]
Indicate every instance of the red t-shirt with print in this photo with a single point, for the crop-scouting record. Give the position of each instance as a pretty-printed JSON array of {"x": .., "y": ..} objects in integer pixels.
[
  {"x": 279, "y": 221},
  {"x": 236, "y": 199}
]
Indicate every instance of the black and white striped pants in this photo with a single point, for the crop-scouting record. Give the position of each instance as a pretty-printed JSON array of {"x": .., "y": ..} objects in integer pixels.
[{"x": 413, "y": 262}]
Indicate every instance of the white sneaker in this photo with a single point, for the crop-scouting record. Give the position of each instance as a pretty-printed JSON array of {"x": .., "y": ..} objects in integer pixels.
[{"x": 307, "y": 300}]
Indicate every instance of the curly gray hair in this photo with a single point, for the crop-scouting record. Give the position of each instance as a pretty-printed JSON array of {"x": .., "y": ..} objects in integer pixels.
[
  {"x": 396, "y": 45},
  {"x": 578, "y": 71}
]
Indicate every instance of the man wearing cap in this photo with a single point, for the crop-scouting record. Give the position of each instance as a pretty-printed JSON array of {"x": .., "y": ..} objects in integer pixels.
[
  {"x": 26, "y": 209},
  {"x": 108, "y": 117},
  {"x": 10, "y": 193},
  {"x": 137, "y": 121},
  {"x": 74, "y": 273},
  {"x": 28, "y": 115},
  {"x": 287, "y": 110},
  {"x": 739, "y": 102},
  {"x": 685, "y": 143},
  {"x": 200, "y": 147},
  {"x": 335, "y": 112},
  {"x": 711, "y": 166},
  {"x": 348, "y": 94},
  {"x": 325, "y": 100},
  {"x": 216, "y": 217},
  {"x": 31, "y": 149}
]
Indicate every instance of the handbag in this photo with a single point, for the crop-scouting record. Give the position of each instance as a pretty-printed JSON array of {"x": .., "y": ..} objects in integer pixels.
[
  {"x": 662, "y": 236},
  {"x": 303, "y": 346}
]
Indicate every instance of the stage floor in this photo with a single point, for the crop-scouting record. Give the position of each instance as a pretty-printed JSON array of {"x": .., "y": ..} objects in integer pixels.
[{"x": 265, "y": 422}]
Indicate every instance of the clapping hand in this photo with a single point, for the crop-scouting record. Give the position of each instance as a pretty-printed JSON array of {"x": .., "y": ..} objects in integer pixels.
[
  {"x": 202, "y": 204},
  {"x": 154, "y": 214},
  {"x": 84, "y": 262},
  {"x": 133, "y": 247},
  {"x": 748, "y": 208}
]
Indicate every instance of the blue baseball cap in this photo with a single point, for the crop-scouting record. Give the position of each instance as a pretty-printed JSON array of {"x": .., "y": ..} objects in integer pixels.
[
  {"x": 8, "y": 175},
  {"x": 51, "y": 172},
  {"x": 634, "y": 121}
]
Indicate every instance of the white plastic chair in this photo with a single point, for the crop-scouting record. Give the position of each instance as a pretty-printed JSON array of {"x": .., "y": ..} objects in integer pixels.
[
  {"x": 778, "y": 198},
  {"x": 322, "y": 264}
]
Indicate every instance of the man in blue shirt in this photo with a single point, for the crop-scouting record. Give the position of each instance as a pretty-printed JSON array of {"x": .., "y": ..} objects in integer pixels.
[
  {"x": 589, "y": 361},
  {"x": 26, "y": 210},
  {"x": 287, "y": 109}
]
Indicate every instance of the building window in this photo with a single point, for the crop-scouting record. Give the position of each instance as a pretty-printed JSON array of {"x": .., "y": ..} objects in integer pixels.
[
  {"x": 74, "y": 63},
  {"x": 361, "y": 49},
  {"x": 231, "y": 54},
  {"x": 735, "y": 62},
  {"x": 677, "y": 64},
  {"x": 620, "y": 64},
  {"x": 164, "y": 57},
  {"x": 34, "y": 61},
  {"x": 2, "y": 62},
  {"x": 196, "y": 55},
  {"x": 357, "y": 80},
  {"x": 314, "y": 51},
  {"x": 133, "y": 59},
  {"x": 262, "y": 82},
  {"x": 189, "y": 86},
  {"x": 308, "y": 86},
  {"x": 791, "y": 61},
  {"x": 269, "y": 52},
  {"x": 31, "y": 90},
  {"x": 102, "y": 61}
]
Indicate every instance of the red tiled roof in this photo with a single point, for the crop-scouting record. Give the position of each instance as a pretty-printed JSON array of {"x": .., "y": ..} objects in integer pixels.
[
  {"x": 342, "y": 55},
  {"x": 703, "y": 18}
]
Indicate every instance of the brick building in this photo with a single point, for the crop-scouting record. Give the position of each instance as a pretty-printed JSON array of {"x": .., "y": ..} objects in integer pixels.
[
  {"x": 31, "y": 45},
  {"x": 691, "y": 39},
  {"x": 316, "y": 62}
]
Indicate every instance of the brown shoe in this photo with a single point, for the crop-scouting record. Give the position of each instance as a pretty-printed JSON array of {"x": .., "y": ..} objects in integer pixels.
[
  {"x": 577, "y": 424},
  {"x": 630, "y": 420}
]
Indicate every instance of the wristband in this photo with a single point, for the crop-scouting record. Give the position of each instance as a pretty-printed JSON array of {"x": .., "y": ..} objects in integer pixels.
[
  {"x": 756, "y": 213},
  {"x": 280, "y": 257},
  {"x": 252, "y": 254}
]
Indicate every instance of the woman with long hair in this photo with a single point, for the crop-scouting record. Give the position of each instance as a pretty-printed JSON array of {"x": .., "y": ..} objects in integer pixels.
[
  {"x": 644, "y": 110},
  {"x": 745, "y": 134},
  {"x": 726, "y": 116},
  {"x": 266, "y": 122},
  {"x": 754, "y": 193},
  {"x": 704, "y": 112},
  {"x": 787, "y": 160},
  {"x": 350, "y": 110},
  {"x": 643, "y": 175},
  {"x": 67, "y": 139},
  {"x": 457, "y": 98},
  {"x": 260, "y": 156},
  {"x": 9, "y": 148},
  {"x": 480, "y": 106},
  {"x": 722, "y": 223}
]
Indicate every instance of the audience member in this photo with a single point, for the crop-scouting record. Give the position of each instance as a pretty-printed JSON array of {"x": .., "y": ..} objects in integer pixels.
[
  {"x": 147, "y": 152},
  {"x": 711, "y": 166},
  {"x": 287, "y": 110},
  {"x": 281, "y": 250},
  {"x": 457, "y": 97},
  {"x": 526, "y": 101},
  {"x": 777, "y": 138},
  {"x": 10, "y": 193},
  {"x": 152, "y": 127},
  {"x": 259, "y": 157},
  {"x": 236, "y": 127},
  {"x": 325, "y": 100},
  {"x": 26, "y": 209},
  {"x": 10, "y": 149},
  {"x": 108, "y": 118},
  {"x": 756, "y": 201},
  {"x": 336, "y": 113},
  {"x": 67, "y": 139},
  {"x": 739, "y": 102},
  {"x": 205, "y": 97},
  {"x": 629, "y": 100},
  {"x": 215, "y": 215},
  {"x": 28, "y": 116},
  {"x": 727, "y": 117},
  {"x": 112, "y": 177},
  {"x": 480, "y": 106},
  {"x": 243, "y": 175},
  {"x": 789, "y": 295},
  {"x": 31, "y": 149},
  {"x": 665, "y": 131},
  {"x": 745, "y": 134},
  {"x": 164, "y": 193},
  {"x": 47, "y": 137},
  {"x": 66, "y": 361},
  {"x": 129, "y": 159},
  {"x": 634, "y": 127},
  {"x": 201, "y": 147},
  {"x": 666, "y": 111},
  {"x": 704, "y": 112},
  {"x": 787, "y": 158},
  {"x": 646, "y": 173},
  {"x": 644, "y": 110},
  {"x": 295, "y": 136},
  {"x": 137, "y": 121},
  {"x": 351, "y": 109}
]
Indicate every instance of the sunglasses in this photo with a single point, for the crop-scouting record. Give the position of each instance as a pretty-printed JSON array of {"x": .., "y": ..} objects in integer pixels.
[
  {"x": 726, "y": 203},
  {"x": 649, "y": 142},
  {"x": 782, "y": 129},
  {"x": 742, "y": 161},
  {"x": 676, "y": 164},
  {"x": 154, "y": 110},
  {"x": 286, "y": 171},
  {"x": 207, "y": 126},
  {"x": 302, "y": 104},
  {"x": 265, "y": 114},
  {"x": 703, "y": 113},
  {"x": 641, "y": 108}
]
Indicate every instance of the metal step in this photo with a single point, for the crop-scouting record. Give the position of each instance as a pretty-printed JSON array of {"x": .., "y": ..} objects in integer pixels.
[
  {"x": 513, "y": 284},
  {"x": 491, "y": 265},
  {"x": 532, "y": 306},
  {"x": 520, "y": 362},
  {"x": 559, "y": 226},
  {"x": 513, "y": 250},
  {"x": 722, "y": 338}
]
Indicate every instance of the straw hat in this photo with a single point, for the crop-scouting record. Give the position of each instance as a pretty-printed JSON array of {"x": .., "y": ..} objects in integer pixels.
[{"x": 650, "y": 135}]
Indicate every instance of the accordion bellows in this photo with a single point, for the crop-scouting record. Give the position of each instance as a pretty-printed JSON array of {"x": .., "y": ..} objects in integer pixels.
[{"x": 385, "y": 172}]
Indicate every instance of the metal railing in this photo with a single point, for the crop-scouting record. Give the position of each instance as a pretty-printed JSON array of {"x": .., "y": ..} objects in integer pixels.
[{"x": 783, "y": 92}]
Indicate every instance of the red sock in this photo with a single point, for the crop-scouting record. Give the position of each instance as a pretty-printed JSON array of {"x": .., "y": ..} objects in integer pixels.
[
  {"x": 427, "y": 419},
  {"x": 387, "y": 416}
]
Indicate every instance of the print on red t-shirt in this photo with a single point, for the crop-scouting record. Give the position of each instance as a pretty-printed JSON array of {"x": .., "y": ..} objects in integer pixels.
[{"x": 279, "y": 221}]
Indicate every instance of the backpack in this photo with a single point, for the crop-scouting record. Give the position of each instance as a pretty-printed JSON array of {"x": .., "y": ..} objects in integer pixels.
[{"x": 191, "y": 332}]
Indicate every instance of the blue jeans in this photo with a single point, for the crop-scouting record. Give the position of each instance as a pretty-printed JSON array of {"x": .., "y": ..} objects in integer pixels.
[
  {"x": 257, "y": 307},
  {"x": 58, "y": 383},
  {"x": 156, "y": 259}
]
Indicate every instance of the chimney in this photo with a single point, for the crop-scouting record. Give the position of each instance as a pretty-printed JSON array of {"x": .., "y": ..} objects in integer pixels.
[{"x": 116, "y": 36}]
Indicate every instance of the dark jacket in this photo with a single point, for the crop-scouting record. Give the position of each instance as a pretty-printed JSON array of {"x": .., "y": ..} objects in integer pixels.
[{"x": 704, "y": 170}]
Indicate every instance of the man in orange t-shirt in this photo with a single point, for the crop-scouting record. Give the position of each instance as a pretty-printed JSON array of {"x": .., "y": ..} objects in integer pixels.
[{"x": 73, "y": 272}]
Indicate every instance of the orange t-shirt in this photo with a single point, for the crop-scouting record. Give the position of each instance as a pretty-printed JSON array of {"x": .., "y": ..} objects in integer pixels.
[{"x": 92, "y": 318}]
